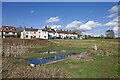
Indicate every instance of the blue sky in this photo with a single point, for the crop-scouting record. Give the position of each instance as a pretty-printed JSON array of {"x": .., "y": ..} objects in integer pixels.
[
  {"x": 64, "y": 15},
  {"x": 60, "y": 0}
]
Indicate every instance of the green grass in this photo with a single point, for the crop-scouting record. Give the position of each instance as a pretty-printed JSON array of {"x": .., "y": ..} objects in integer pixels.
[
  {"x": 38, "y": 47},
  {"x": 108, "y": 40},
  {"x": 102, "y": 67},
  {"x": 52, "y": 48},
  {"x": 28, "y": 55},
  {"x": 55, "y": 48},
  {"x": 96, "y": 40}
]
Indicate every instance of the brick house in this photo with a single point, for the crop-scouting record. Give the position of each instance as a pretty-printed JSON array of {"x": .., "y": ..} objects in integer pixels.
[{"x": 8, "y": 31}]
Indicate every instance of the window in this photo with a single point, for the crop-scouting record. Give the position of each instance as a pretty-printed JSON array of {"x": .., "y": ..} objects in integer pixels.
[
  {"x": 26, "y": 32},
  {"x": 14, "y": 33},
  {"x": 34, "y": 36},
  {"x": 6, "y": 32},
  {"x": 30, "y": 32},
  {"x": 39, "y": 36},
  {"x": 44, "y": 36},
  {"x": 34, "y": 32},
  {"x": 26, "y": 36},
  {"x": 6, "y": 28},
  {"x": 39, "y": 32},
  {"x": 12, "y": 29}
]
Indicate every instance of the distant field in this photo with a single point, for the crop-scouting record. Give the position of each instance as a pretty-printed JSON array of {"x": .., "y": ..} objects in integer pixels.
[{"x": 104, "y": 44}]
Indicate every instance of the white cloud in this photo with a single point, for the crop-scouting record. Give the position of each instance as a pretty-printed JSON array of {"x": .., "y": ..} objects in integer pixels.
[
  {"x": 116, "y": 30},
  {"x": 114, "y": 12},
  {"x": 55, "y": 26},
  {"x": 89, "y": 25},
  {"x": 112, "y": 23},
  {"x": 53, "y": 19},
  {"x": 32, "y": 11},
  {"x": 114, "y": 9},
  {"x": 112, "y": 15},
  {"x": 74, "y": 24},
  {"x": 93, "y": 34}
]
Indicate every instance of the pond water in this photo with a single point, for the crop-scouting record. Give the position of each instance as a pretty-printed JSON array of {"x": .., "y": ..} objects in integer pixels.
[{"x": 47, "y": 59}]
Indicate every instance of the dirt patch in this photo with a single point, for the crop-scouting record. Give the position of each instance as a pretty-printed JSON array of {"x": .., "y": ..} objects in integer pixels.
[
  {"x": 73, "y": 66},
  {"x": 115, "y": 42}
]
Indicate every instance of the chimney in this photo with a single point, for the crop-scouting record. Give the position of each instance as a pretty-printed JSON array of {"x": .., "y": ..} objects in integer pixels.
[
  {"x": 70, "y": 30},
  {"x": 24, "y": 27},
  {"x": 67, "y": 30},
  {"x": 60, "y": 29},
  {"x": 31, "y": 28},
  {"x": 64, "y": 30}
]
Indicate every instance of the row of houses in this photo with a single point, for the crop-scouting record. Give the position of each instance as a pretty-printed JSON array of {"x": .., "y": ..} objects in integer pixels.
[
  {"x": 46, "y": 33},
  {"x": 28, "y": 33}
]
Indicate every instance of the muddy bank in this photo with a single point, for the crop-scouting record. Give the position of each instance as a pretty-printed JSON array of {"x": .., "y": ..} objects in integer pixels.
[
  {"x": 11, "y": 69},
  {"x": 14, "y": 46}
]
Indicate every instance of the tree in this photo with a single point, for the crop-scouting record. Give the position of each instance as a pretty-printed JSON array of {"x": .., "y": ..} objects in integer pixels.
[
  {"x": 89, "y": 36},
  {"x": 101, "y": 36},
  {"x": 19, "y": 30},
  {"x": 76, "y": 31}
]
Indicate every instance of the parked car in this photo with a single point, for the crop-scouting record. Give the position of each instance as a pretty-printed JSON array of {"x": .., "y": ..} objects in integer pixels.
[
  {"x": 69, "y": 38},
  {"x": 53, "y": 38},
  {"x": 58, "y": 38}
]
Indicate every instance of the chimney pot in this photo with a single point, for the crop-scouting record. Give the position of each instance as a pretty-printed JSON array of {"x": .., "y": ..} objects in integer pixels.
[
  {"x": 24, "y": 27},
  {"x": 31, "y": 27}
]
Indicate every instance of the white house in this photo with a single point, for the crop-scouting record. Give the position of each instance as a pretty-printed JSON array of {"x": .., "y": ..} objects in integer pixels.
[
  {"x": 46, "y": 33},
  {"x": 66, "y": 34},
  {"x": 29, "y": 33}
]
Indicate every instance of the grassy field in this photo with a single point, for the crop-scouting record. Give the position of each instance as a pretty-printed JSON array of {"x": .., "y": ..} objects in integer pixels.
[
  {"x": 103, "y": 66},
  {"x": 37, "y": 50}
]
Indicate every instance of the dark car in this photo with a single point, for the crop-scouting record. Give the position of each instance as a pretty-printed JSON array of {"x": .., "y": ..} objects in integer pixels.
[
  {"x": 69, "y": 38},
  {"x": 53, "y": 38},
  {"x": 58, "y": 38}
]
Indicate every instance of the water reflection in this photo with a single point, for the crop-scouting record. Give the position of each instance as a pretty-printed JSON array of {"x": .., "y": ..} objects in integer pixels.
[{"x": 44, "y": 60}]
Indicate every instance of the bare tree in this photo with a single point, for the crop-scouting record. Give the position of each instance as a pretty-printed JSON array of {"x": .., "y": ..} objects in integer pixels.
[{"x": 19, "y": 30}]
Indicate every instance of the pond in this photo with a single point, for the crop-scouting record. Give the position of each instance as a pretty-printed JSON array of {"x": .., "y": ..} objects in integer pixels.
[{"x": 47, "y": 59}]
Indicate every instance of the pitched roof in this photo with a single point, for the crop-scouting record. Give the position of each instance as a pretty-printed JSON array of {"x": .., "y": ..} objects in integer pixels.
[
  {"x": 109, "y": 31},
  {"x": 8, "y": 27},
  {"x": 49, "y": 29},
  {"x": 29, "y": 29},
  {"x": 65, "y": 32}
]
